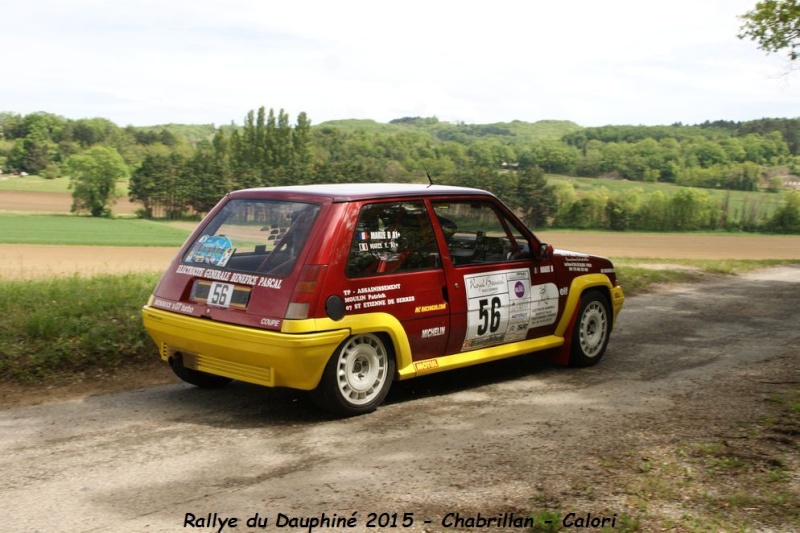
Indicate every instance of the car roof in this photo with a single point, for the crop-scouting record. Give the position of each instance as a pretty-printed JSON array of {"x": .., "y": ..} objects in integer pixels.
[{"x": 345, "y": 192}]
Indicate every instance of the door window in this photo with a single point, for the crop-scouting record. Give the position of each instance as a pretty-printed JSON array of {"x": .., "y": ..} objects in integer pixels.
[
  {"x": 392, "y": 237},
  {"x": 477, "y": 233}
]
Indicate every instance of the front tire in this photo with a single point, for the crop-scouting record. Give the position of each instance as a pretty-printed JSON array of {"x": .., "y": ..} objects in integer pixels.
[
  {"x": 357, "y": 377},
  {"x": 592, "y": 330}
]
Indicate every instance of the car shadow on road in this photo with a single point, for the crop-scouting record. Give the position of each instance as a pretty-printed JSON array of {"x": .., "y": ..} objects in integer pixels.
[
  {"x": 470, "y": 378},
  {"x": 242, "y": 405}
]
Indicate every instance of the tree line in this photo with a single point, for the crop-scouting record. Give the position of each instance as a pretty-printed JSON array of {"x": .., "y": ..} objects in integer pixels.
[{"x": 178, "y": 171}]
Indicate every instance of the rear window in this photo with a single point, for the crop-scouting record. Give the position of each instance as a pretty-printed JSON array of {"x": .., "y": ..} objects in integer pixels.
[{"x": 258, "y": 236}]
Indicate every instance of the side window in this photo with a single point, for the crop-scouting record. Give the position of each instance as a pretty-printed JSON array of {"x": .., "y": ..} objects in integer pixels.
[
  {"x": 476, "y": 233},
  {"x": 392, "y": 237}
]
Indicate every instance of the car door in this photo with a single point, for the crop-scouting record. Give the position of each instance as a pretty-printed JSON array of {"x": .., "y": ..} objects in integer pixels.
[
  {"x": 497, "y": 292},
  {"x": 394, "y": 266}
]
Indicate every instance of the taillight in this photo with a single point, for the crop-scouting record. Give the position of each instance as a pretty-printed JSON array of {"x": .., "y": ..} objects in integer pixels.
[{"x": 305, "y": 291}]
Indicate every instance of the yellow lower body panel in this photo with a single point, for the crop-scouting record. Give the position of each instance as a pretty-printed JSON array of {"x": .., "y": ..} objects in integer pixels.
[
  {"x": 484, "y": 355},
  {"x": 258, "y": 356}
]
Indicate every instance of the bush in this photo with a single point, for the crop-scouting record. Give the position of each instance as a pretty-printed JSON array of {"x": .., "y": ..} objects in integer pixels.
[{"x": 787, "y": 218}]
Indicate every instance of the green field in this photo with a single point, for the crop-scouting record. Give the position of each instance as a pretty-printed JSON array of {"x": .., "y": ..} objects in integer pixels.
[
  {"x": 39, "y": 184},
  {"x": 33, "y": 183},
  {"x": 741, "y": 204},
  {"x": 74, "y": 230}
]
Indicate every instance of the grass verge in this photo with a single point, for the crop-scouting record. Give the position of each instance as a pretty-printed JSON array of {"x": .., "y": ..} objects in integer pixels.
[
  {"x": 743, "y": 482},
  {"x": 740, "y": 475},
  {"x": 63, "y": 326},
  {"x": 637, "y": 276}
]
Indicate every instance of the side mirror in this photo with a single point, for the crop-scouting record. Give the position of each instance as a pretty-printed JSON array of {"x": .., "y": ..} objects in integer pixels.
[{"x": 544, "y": 251}]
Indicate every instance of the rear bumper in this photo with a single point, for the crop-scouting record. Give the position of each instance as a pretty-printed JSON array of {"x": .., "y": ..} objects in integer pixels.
[{"x": 268, "y": 358}]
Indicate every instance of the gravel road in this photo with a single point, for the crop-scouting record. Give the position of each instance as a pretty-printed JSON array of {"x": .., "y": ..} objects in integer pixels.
[{"x": 485, "y": 440}]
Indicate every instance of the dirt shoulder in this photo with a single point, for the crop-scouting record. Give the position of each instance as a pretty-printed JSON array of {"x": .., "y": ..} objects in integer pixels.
[
  {"x": 36, "y": 261},
  {"x": 87, "y": 384}
]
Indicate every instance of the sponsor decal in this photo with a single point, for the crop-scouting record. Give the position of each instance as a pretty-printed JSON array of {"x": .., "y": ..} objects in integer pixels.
[
  {"x": 178, "y": 307},
  {"x": 433, "y": 332},
  {"x": 519, "y": 289},
  {"x": 230, "y": 277},
  {"x": 426, "y": 365},
  {"x": 577, "y": 263},
  {"x": 211, "y": 249},
  {"x": 428, "y": 308},
  {"x": 503, "y": 305}
]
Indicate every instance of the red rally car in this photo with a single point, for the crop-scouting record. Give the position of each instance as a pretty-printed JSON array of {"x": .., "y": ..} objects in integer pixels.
[{"x": 342, "y": 289}]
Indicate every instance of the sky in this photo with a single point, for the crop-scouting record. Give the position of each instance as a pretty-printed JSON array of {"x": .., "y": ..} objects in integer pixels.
[{"x": 143, "y": 63}]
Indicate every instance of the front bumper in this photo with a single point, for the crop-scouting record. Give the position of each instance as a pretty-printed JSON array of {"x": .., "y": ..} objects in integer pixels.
[
  {"x": 617, "y": 300},
  {"x": 268, "y": 358}
]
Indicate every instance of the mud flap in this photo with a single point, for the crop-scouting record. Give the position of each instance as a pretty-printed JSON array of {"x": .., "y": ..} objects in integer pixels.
[{"x": 560, "y": 356}]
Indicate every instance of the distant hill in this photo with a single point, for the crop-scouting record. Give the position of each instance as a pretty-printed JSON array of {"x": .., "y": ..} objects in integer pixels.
[
  {"x": 192, "y": 133},
  {"x": 515, "y": 132}
]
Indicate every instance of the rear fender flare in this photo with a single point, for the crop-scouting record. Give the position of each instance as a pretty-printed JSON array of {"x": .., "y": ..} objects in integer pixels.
[{"x": 379, "y": 323}]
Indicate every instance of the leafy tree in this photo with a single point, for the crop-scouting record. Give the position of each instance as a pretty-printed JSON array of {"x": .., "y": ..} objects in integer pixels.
[
  {"x": 31, "y": 155},
  {"x": 588, "y": 211},
  {"x": 93, "y": 179},
  {"x": 534, "y": 197},
  {"x": 42, "y": 127},
  {"x": 205, "y": 179},
  {"x": 775, "y": 26},
  {"x": 708, "y": 153},
  {"x": 153, "y": 183},
  {"x": 689, "y": 210},
  {"x": 653, "y": 214},
  {"x": 787, "y": 218},
  {"x": 89, "y": 132},
  {"x": 621, "y": 211},
  {"x": 554, "y": 157},
  {"x": 301, "y": 171}
]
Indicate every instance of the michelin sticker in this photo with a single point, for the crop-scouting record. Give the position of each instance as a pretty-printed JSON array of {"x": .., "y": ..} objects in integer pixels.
[{"x": 502, "y": 306}]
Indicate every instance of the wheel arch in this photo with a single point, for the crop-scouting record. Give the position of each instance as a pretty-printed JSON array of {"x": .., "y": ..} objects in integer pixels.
[
  {"x": 580, "y": 285},
  {"x": 386, "y": 326}
]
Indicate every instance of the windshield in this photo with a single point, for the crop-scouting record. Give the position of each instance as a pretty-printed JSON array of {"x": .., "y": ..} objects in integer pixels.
[{"x": 258, "y": 236}]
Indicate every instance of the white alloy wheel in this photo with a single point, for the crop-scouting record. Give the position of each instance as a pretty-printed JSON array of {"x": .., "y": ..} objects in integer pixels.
[
  {"x": 592, "y": 330},
  {"x": 362, "y": 369}
]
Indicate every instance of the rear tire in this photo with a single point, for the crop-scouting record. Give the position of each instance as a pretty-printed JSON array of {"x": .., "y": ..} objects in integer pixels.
[
  {"x": 591, "y": 331},
  {"x": 357, "y": 377},
  {"x": 197, "y": 378}
]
